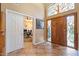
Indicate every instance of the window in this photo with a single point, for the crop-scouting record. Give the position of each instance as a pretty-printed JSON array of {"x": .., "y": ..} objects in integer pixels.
[
  {"x": 55, "y": 8},
  {"x": 52, "y": 9},
  {"x": 65, "y": 7}
]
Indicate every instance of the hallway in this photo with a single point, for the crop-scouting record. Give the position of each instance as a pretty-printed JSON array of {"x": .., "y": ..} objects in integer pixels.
[{"x": 44, "y": 49}]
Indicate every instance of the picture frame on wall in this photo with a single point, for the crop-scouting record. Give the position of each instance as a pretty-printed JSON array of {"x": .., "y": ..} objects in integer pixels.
[{"x": 39, "y": 24}]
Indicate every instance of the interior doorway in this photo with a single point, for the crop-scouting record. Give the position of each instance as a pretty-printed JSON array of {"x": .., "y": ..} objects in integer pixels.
[
  {"x": 49, "y": 30},
  {"x": 28, "y": 29}
]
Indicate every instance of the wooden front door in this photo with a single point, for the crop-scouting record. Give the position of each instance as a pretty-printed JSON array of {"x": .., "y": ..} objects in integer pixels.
[{"x": 59, "y": 30}]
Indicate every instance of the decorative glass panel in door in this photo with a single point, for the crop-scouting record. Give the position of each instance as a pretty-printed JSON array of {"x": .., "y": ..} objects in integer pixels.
[
  {"x": 65, "y": 7},
  {"x": 70, "y": 31},
  {"x": 52, "y": 9},
  {"x": 49, "y": 30}
]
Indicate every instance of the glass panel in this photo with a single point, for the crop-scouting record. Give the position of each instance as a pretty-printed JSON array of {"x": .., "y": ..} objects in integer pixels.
[
  {"x": 65, "y": 6},
  {"x": 55, "y": 8},
  {"x": 70, "y": 31},
  {"x": 52, "y": 9},
  {"x": 49, "y": 30}
]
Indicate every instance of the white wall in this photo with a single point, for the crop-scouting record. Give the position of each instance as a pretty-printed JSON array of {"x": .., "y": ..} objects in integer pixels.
[
  {"x": 33, "y": 9},
  {"x": 39, "y": 36}
]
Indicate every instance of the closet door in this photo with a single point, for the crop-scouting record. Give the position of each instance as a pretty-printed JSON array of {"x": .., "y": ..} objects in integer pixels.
[
  {"x": 19, "y": 31},
  {"x": 14, "y": 31}
]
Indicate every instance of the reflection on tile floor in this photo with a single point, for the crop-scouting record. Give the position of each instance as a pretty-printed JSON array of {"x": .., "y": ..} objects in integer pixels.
[{"x": 44, "y": 49}]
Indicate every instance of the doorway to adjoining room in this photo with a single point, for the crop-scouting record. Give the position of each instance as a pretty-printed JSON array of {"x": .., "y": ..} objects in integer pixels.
[{"x": 28, "y": 29}]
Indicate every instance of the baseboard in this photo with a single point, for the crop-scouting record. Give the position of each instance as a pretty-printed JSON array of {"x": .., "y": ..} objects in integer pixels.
[{"x": 38, "y": 43}]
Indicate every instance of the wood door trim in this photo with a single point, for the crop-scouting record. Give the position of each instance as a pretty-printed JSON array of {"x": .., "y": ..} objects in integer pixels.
[
  {"x": 76, "y": 32},
  {"x": 61, "y": 16}
]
